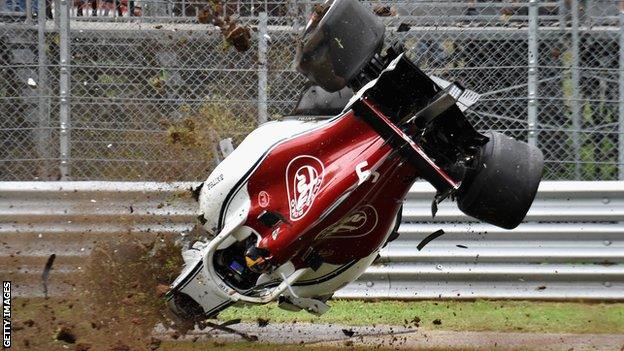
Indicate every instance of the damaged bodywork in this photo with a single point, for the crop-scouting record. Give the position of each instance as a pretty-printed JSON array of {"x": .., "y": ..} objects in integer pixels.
[{"x": 302, "y": 206}]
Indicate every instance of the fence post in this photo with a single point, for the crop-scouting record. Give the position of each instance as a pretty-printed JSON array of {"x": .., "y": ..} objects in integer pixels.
[
  {"x": 621, "y": 102},
  {"x": 29, "y": 11},
  {"x": 532, "y": 74},
  {"x": 562, "y": 13},
  {"x": 57, "y": 13},
  {"x": 307, "y": 12},
  {"x": 293, "y": 12},
  {"x": 64, "y": 90},
  {"x": 576, "y": 93},
  {"x": 43, "y": 134},
  {"x": 262, "y": 66}
]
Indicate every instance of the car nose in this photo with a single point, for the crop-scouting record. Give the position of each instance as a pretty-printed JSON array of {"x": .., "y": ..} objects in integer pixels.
[{"x": 184, "y": 307}]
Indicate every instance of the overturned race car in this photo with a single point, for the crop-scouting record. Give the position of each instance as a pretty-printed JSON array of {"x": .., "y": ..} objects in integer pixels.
[{"x": 302, "y": 206}]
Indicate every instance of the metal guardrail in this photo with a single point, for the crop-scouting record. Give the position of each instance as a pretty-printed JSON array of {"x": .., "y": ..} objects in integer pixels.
[{"x": 570, "y": 247}]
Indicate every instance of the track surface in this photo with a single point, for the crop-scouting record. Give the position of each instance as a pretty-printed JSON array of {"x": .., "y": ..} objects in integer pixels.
[
  {"x": 296, "y": 333},
  {"x": 411, "y": 338}
]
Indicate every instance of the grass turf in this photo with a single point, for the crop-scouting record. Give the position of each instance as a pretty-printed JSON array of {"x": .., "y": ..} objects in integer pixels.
[
  {"x": 245, "y": 346},
  {"x": 480, "y": 315}
]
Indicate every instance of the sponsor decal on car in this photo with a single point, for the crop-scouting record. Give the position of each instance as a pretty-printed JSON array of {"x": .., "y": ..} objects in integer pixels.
[
  {"x": 275, "y": 233},
  {"x": 263, "y": 199},
  {"x": 358, "y": 223},
  {"x": 214, "y": 182},
  {"x": 304, "y": 176}
]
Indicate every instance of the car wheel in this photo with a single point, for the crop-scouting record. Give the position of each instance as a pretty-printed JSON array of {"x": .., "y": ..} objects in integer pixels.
[{"x": 501, "y": 188}]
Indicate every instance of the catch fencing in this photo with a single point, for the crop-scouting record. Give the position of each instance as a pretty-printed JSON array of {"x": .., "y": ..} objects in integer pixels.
[
  {"x": 107, "y": 96},
  {"x": 570, "y": 245}
]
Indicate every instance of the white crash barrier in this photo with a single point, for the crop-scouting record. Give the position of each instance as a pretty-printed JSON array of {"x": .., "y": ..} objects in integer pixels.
[{"x": 571, "y": 245}]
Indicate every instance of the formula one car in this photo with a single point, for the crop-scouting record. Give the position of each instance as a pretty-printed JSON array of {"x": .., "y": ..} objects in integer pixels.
[{"x": 302, "y": 207}]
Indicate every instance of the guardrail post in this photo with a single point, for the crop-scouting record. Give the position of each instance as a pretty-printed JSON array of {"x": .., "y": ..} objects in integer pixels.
[
  {"x": 43, "y": 134},
  {"x": 621, "y": 102},
  {"x": 262, "y": 66},
  {"x": 533, "y": 71},
  {"x": 576, "y": 91},
  {"x": 64, "y": 91}
]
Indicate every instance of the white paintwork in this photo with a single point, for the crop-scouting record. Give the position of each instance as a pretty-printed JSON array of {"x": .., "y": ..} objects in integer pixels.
[
  {"x": 340, "y": 281},
  {"x": 467, "y": 98},
  {"x": 201, "y": 289},
  {"x": 238, "y": 163}
]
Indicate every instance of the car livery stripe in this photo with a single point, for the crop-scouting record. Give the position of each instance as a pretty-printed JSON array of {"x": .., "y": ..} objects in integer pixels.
[
  {"x": 218, "y": 309},
  {"x": 190, "y": 276},
  {"x": 308, "y": 282}
]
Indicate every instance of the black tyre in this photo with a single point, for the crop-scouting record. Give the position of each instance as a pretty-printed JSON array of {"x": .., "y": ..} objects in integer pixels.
[
  {"x": 335, "y": 47},
  {"x": 317, "y": 102},
  {"x": 501, "y": 190}
]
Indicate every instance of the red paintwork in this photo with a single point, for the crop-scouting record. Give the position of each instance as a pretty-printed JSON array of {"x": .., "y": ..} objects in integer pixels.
[
  {"x": 417, "y": 149},
  {"x": 340, "y": 146}
]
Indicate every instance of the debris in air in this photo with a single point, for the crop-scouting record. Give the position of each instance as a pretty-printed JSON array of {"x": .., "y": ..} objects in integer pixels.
[
  {"x": 429, "y": 238},
  {"x": 348, "y": 332},
  {"x": 195, "y": 192},
  {"x": 230, "y": 322},
  {"x": 403, "y": 27},
  {"x": 224, "y": 328},
  {"x": 383, "y": 11},
  {"x": 46, "y": 274},
  {"x": 235, "y": 34}
]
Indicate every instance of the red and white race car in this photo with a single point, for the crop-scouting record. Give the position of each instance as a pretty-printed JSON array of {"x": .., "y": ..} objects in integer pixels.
[{"x": 302, "y": 207}]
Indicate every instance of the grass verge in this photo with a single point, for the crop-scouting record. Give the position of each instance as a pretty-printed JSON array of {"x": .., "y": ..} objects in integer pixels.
[
  {"x": 479, "y": 315},
  {"x": 245, "y": 346},
  {"x": 47, "y": 316}
]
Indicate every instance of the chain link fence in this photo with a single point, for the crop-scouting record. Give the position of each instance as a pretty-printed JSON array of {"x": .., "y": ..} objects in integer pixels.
[{"x": 142, "y": 90}]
